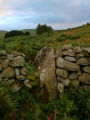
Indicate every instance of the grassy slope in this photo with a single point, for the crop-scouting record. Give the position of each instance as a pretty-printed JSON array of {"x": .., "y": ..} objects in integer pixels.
[{"x": 83, "y": 32}]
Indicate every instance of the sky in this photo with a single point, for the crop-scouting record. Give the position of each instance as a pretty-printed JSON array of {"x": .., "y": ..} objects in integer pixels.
[{"x": 59, "y": 14}]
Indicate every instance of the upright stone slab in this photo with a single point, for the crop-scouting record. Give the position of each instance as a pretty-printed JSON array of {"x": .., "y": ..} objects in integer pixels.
[{"x": 45, "y": 66}]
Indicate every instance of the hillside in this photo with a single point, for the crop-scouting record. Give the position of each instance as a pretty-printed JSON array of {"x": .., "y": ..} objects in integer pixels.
[{"x": 31, "y": 44}]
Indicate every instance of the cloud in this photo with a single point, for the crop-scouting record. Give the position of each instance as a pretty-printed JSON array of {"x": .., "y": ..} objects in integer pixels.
[{"x": 60, "y": 14}]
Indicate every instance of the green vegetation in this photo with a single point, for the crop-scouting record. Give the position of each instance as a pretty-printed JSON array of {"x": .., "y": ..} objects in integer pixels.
[
  {"x": 43, "y": 28},
  {"x": 73, "y": 105}
]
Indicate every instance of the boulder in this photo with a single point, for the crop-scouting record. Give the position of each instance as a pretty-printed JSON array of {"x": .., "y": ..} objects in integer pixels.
[
  {"x": 85, "y": 78},
  {"x": 67, "y": 65},
  {"x": 45, "y": 66}
]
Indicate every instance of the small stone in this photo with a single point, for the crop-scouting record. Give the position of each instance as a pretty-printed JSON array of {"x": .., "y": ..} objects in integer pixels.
[
  {"x": 75, "y": 83},
  {"x": 85, "y": 78},
  {"x": 27, "y": 83},
  {"x": 73, "y": 76},
  {"x": 60, "y": 87},
  {"x": 5, "y": 63},
  {"x": 20, "y": 77},
  {"x": 72, "y": 59},
  {"x": 61, "y": 72},
  {"x": 69, "y": 52},
  {"x": 17, "y": 71},
  {"x": 77, "y": 49},
  {"x": 86, "y": 69},
  {"x": 66, "y": 47},
  {"x": 83, "y": 61},
  {"x": 64, "y": 81},
  {"x": 24, "y": 71}
]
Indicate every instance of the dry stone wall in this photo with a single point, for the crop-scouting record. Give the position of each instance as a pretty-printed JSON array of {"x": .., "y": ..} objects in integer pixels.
[
  {"x": 57, "y": 70},
  {"x": 72, "y": 67},
  {"x": 13, "y": 70}
]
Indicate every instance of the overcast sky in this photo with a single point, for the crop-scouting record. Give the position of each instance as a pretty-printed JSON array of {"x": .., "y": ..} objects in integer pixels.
[{"x": 59, "y": 14}]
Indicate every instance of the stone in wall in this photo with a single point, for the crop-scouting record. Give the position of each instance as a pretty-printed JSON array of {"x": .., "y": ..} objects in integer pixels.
[
  {"x": 76, "y": 62},
  {"x": 67, "y": 65},
  {"x": 14, "y": 71},
  {"x": 45, "y": 66}
]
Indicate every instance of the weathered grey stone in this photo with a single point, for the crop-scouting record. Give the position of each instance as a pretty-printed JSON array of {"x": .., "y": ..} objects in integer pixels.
[
  {"x": 78, "y": 56},
  {"x": 61, "y": 63},
  {"x": 24, "y": 71},
  {"x": 27, "y": 83},
  {"x": 8, "y": 72},
  {"x": 15, "y": 87},
  {"x": 83, "y": 61},
  {"x": 20, "y": 77},
  {"x": 45, "y": 66},
  {"x": 73, "y": 76},
  {"x": 62, "y": 73},
  {"x": 10, "y": 81},
  {"x": 87, "y": 49},
  {"x": 77, "y": 49},
  {"x": 69, "y": 52},
  {"x": 10, "y": 56},
  {"x": 85, "y": 78},
  {"x": 86, "y": 69},
  {"x": 5, "y": 63},
  {"x": 66, "y": 47},
  {"x": 86, "y": 54},
  {"x": 60, "y": 87},
  {"x": 64, "y": 81},
  {"x": 75, "y": 83},
  {"x": 17, "y": 71},
  {"x": 72, "y": 59},
  {"x": 2, "y": 52},
  {"x": 18, "y": 61}
]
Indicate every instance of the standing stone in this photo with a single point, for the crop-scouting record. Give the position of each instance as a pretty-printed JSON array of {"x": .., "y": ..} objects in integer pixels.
[
  {"x": 61, "y": 63},
  {"x": 45, "y": 66}
]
